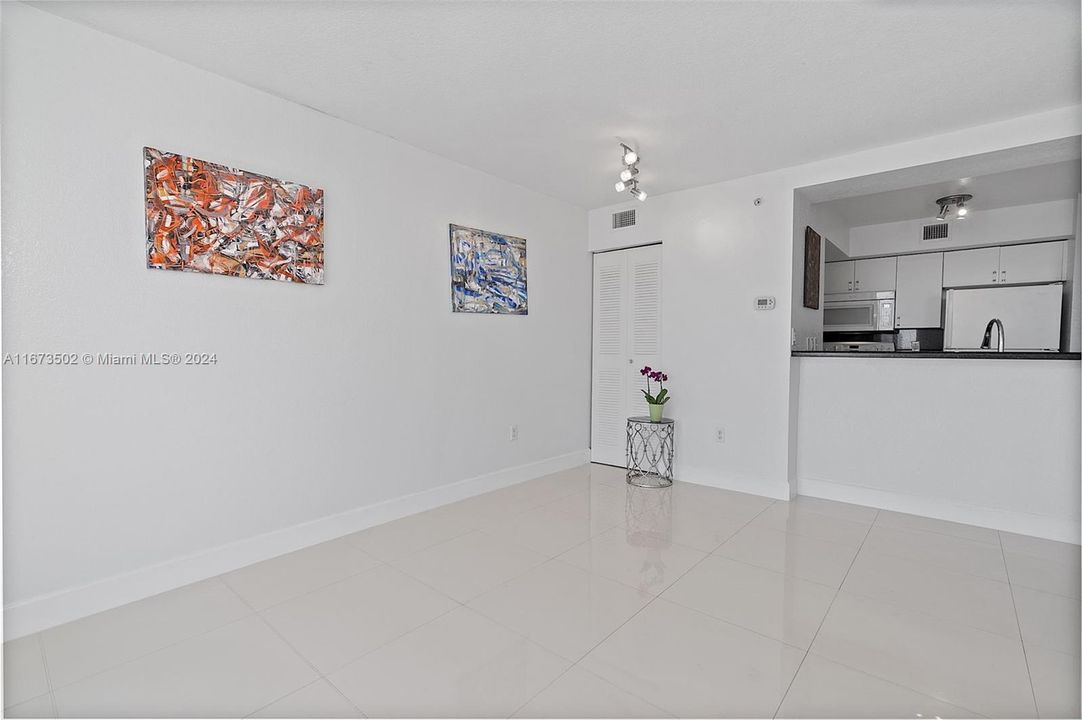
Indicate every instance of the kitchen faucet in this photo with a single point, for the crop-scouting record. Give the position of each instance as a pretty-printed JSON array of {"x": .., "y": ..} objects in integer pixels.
[{"x": 986, "y": 344}]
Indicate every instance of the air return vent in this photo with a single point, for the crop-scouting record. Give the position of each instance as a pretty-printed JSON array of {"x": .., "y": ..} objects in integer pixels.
[
  {"x": 936, "y": 231},
  {"x": 623, "y": 219}
]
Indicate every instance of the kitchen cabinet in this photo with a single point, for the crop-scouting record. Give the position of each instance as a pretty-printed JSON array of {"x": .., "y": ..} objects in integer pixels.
[
  {"x": 871, "y": 275},
  {"x": 1006, "y": 265},
  {"x": 874, "y": 274},
  {"x": 838, "y": 277},
  {"x": 918, "y": 297},
  {"x": 971, "y": 267},
  {"x": 1034, "y": 263}
]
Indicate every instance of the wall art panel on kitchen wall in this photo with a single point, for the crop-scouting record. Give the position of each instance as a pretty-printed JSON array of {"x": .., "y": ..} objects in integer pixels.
[
  {"x": 209, "y": 218},
  {"x": 488, "y": 272},
  {"x": 813, "y": 252}
]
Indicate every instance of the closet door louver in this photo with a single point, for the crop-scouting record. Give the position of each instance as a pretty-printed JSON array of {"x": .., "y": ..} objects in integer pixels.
[{"x": 626, "y": 336}]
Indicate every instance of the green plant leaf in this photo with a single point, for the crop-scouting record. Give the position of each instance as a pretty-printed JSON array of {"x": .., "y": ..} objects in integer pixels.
[{"x": 662, "y": 396}]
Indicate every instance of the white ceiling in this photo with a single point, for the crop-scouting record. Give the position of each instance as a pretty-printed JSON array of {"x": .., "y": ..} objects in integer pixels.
[
  {"x": 1057, "y": 181},
  {"x": 535, "y": 92}
]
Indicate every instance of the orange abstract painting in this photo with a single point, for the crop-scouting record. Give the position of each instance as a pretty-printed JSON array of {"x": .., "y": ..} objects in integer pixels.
[{"x": 209, "y": 218}]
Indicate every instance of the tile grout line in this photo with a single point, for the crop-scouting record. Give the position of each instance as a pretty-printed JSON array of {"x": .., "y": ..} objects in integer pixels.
[
  {"x": 220, "y": 578},
  {"x": 632, "y": 617},
  {"x": 426, "y": 623},
  {"x": 321, "y": 675},
  {"x": 1018, "y": 622},
  {"x": 821, "y": 622},
  {"x": 392, "y": 566},
  {"x": 48, "y": 675}
]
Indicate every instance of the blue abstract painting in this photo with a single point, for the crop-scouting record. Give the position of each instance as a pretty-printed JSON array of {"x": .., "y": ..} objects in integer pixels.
[{"x": 488, "y": 272}]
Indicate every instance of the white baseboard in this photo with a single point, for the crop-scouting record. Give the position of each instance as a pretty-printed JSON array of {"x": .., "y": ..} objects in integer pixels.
[
  {"x": 753, "y": 486},
  {"x": 45, "y": 611},
  {"x": 1049, "y": 528}
]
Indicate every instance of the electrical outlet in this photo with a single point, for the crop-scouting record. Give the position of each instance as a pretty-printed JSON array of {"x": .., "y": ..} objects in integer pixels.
[
  {"x": 719, "y": 435},
  {"x": 512, "y": 433}
]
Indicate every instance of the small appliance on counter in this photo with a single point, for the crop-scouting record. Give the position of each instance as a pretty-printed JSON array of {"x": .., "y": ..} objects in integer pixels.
[{"x": 858, "y": 346}]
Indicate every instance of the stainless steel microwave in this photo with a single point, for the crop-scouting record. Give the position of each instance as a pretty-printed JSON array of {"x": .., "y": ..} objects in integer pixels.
[{"x": 859, "y": 312}]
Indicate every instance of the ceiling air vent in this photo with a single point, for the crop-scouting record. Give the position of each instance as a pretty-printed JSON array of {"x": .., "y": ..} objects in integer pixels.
[
  {"x": 623, "y": 219},
  {"x": 935, "y": 231}
]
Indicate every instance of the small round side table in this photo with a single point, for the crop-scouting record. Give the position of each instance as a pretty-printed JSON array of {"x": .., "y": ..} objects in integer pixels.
[{"x": 649, "y": 452}]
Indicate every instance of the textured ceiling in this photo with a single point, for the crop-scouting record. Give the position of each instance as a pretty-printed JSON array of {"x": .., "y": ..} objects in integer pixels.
[{"x": 536, "y": 92}]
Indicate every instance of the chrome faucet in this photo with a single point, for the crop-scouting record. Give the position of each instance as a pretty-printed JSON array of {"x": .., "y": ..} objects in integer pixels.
[{"x": 986, "y": 344}]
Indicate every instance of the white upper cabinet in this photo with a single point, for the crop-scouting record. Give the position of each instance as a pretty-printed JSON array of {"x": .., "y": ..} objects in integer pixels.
[
  {"x": 1039, "y": 262},
  {"x": 918, "y": 299},
  {"x": 1006, "y": 265},
  {"x": 971, "y": 267},
  {"x": 838, "y": 277},
  {"x": 874, "y": 274}
]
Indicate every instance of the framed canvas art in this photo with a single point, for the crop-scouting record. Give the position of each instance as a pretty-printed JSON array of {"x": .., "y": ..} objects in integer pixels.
[
  {"x": 488, "y": 272},
  {"x": 209, "y": 218},
  {"x": 813, "y": 253}
]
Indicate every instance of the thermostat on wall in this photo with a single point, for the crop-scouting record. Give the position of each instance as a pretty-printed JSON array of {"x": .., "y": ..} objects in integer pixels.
[{"x": 766, "y": 302}]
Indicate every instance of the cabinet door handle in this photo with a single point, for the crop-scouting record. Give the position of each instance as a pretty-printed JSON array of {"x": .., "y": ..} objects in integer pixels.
[
  {"x": 1003, "y": 276},
  {"x": 994, "y": 273},
  {"x": 850, "y": 286},
  {"x": 858, "y": 284}
]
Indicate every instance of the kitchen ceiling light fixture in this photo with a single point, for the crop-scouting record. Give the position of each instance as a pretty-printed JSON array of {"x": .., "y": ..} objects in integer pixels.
[
  {"x": 628, "y": 179},
  {"x": 957, "y": 203}
]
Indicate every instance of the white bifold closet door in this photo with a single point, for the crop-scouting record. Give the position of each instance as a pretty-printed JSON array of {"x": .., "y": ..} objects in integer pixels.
[{"x": 627, "y": 336}]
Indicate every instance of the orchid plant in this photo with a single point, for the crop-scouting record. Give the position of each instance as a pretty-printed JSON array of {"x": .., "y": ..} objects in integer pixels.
[{"x": 662, "y": 396}]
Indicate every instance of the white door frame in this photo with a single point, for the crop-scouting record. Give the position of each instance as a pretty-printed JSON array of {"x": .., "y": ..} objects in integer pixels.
[{"x": 635, "y": 348}]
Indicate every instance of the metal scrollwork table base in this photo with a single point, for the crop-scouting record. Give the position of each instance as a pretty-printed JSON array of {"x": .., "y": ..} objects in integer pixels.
[{"x": 649, "y": 452}]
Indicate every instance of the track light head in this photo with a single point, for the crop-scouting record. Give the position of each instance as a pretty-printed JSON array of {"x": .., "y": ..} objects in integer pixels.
[
  {"x": 629, "y": 173},
  {"x": 957, "y": 203}
]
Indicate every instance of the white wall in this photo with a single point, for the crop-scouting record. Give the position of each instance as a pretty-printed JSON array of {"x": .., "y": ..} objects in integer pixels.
[
  {"x": 324, "y": 400},
  {"x": 1038, "y": 221},
  {"x": 808, "y": 322},
  {"x": 991, "y": 442},
  {"x": 730, "y": 364}
]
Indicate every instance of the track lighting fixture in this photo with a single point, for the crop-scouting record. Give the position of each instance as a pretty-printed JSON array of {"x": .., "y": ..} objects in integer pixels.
[
  {"x": 628, "y": 179},
  {"x": 957, "y": 203}
]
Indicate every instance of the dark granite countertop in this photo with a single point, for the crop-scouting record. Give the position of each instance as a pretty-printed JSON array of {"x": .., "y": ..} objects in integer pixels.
[{"x": 985, "y": 355}]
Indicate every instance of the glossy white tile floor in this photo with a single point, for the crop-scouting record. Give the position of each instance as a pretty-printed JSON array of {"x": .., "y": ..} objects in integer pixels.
[{"x": 576, "y": 595}]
